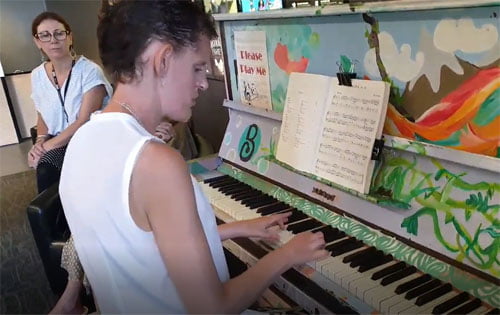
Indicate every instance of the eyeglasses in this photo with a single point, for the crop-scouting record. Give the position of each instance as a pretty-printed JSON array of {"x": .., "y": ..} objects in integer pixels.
[{"x": 47, "y": 36}]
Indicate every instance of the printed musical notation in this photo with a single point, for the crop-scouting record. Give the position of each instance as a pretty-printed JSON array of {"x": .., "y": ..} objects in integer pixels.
[
  {"x": 333, "y": 128},
  {"x": 350, "y": 126},
  {"x": 304, "y": 100}
]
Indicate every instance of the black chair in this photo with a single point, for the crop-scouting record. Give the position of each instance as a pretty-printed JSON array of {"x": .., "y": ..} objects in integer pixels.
[
  {"x": 33, "y": 134},
  {"x": 50, "y": 231}
]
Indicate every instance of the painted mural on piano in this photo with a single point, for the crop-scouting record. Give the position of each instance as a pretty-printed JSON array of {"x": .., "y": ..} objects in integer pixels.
[
  {"x": 444, "y": 70},
  {"x": 443, "y": 67}
]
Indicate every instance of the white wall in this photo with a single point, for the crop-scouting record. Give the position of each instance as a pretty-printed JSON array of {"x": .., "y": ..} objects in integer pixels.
[
  {"x": 7, "y": 130},
  {"x": 82, "y": 16},
  {"x": 19, "y": 86},
  {"x": 17, "y": 50}
]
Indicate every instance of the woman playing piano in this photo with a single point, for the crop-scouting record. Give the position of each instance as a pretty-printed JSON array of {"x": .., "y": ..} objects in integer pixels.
[{"x": 145, "y": 234}]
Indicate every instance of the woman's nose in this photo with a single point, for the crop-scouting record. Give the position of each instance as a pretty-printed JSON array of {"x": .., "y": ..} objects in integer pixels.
[{"x": 203, "y": 84}]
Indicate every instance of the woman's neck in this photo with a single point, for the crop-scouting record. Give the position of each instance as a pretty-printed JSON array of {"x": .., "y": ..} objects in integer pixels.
[
  {"x": 142, "y": 107},
  {"x": 62, "y": 64}
]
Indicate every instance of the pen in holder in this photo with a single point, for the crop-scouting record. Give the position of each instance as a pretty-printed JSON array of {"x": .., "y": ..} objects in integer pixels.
[
  {"x": 345, "y": 78},
  {"x": 346, "y": 71}
]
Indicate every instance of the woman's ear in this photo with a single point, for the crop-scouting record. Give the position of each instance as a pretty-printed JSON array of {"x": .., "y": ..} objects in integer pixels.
[
  {"x": 162, "y": 59},
  {"x": 37, "y": 43}
]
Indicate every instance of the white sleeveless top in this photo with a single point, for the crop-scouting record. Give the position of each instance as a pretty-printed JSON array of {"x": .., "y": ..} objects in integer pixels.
[{"x": 121, "y": 261}]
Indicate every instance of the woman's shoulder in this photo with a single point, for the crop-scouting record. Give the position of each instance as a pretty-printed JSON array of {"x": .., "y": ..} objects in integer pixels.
[
  {"x": 87, "y": 64},
  {"x": 40, "y": 69}
]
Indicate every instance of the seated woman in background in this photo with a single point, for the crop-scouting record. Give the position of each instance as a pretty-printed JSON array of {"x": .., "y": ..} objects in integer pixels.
[
  {"x": 66, "y": 89},
  {"x": 145, "y": 234}
]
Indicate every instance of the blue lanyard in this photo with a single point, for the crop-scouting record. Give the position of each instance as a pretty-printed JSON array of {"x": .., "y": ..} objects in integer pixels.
[{"x": 58, "y": 88}]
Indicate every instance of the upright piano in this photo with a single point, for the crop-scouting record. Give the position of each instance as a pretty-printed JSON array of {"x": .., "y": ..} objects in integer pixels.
[{"x": 426, "y": 238}]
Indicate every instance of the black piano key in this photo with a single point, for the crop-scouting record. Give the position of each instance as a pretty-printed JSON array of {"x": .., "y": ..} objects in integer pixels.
[
  {"x": 296, "y": 216},
  {"x": 451, "y": 303},
  {"x": 344, "y": 246},
  {"x": 330, "y": 234},
  {"x": 467, "y": 307},
  {"x": 347, "y": 248},
  {"x": 223, "y": 183},
  {"x": 233, "y": 190},
  {"x": 304, "y": 226},
  {"x": 340, "y": 243},
  {"x": 321, "y": 295},
  {"x": 297, "y": 279},
  {"x": 276, "y": 210},
  {"x": 250, "y": 199},
  {"x": 247, "y": 195},
  {"x": 403, "y": 287},
  {"x": 257, "y": 200},
  {"x": 389, "y": 270},
  {"x": 494, "y": 311},
  {"x": 263, "y": 203},
  {"x": 358, "y": 255},
  {"x": 375, "y": 262},
  {"x": 273, "y": 208},
  {"x": 364, "y": 259},
  {"x": 434, "y": 294},
  {"x": 369, "y": 260},
  {"x": 422, "y": 289},
  {"x": 222, "y": 188},
  {"x": 236, "y": 194},
  {"x": 232, "y": 185},
  {"x": 215, "y": 179},
  {"x": 398, "y": 275}
]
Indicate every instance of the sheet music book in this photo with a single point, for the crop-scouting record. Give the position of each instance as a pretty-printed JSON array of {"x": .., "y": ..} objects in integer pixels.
[
  {"x": 253, "y": 68},
  {"x": 329, "y": 130}
]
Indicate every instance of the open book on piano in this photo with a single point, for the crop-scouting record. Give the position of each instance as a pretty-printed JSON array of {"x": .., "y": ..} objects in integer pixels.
[{"x": 329, "y": 130}]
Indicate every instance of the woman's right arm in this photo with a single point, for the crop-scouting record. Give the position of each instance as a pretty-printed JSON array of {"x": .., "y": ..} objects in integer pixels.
[
  {"x": 161, "y": 188},
  {"x": 37, "y": 149}
]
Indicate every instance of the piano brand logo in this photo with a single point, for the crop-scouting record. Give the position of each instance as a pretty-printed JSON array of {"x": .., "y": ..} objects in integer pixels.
[
  {"x": 249, "y": 142},
  {"x": 323, "y": 193}
]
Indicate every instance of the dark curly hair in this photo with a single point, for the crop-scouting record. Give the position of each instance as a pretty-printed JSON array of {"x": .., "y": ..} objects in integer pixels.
[
  {"x": 48, "y": 16},
  {"x": 127, "y": 26}
]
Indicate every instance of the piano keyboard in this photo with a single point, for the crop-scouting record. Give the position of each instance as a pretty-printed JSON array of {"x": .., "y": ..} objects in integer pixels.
[{"x": 377, "y": 279}]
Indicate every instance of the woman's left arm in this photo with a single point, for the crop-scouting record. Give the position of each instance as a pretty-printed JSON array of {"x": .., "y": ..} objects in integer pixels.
[
  {"x": 92, "y": 101},
  {"x": 265, "y": 228}
]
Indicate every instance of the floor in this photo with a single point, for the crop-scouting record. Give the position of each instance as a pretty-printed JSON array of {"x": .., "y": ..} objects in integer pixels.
[
  {"x": 13, "y": 158},
  {"x": 24, "y": 288}
]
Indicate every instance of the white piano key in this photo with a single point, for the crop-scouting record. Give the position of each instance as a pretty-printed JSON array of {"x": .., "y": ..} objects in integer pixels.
[
  {"x": 361, "y": 285},
  {"x": 335, "y": 265},
  {"x": 211, "y": 193},
  {"x": 285, "y": 237},
  {"x": 398, "y": 303},
  {"x": 317, "y": 265},
  {"x": 345, "y": 278},
  {"x": 353, "y": 274},
  {"x": 376, "y": 295},
  {"x": 390, "y": 298},
  {"x": 402, "y": 306},
  {"x": 482, "y": 310},
  {"x": 373, "y": 296},
  {"x": 427, "y": 308}
]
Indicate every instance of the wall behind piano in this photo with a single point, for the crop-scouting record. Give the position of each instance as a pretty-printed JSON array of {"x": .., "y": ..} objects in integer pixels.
[
  {"x": 443, "y": 66},
  {"x": 444, "y": 69}
]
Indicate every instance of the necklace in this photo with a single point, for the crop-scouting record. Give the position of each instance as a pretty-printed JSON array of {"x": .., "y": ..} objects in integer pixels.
[{"x": 130, "y": 110}]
